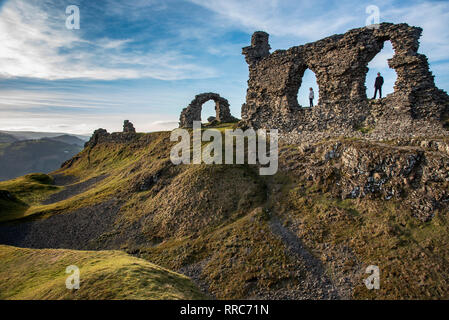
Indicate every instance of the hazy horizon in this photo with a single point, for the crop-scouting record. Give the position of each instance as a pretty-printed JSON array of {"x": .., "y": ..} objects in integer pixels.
[{"x": 146, "y": 60}]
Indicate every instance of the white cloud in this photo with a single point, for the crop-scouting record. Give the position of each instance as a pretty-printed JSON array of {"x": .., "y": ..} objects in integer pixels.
[
  {"x": 313, "y": 20},
  {"x": 84, "y": 124},
  {"x": 297, "y": 21},
  {"x": 380, "y": 61},
  {"x": 281, "y": 18},
  {"x": 136, "y": 9},
  {"x": 433, "y": 17},
  {"x": 36, "y": 44},
  {"x": 28, "y": 100}
]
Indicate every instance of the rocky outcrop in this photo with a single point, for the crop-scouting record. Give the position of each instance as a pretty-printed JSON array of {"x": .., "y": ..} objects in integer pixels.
[
  {"x": 259, "y": 48},
  {"x": 98, "y": 136},
  {"x": 102, "y": 135},
  {"x": 410, "y": 172},
  {"x": 193, "y": 111},
  {"x": 128, "y": 127},
  {"x": 340, "y": 65}
]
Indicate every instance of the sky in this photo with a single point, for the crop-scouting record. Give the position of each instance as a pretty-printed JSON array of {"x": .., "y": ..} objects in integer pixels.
[{"x": 145, "y": 60}]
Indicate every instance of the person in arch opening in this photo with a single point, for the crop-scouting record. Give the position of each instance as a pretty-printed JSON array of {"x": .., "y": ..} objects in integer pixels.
[
  {"x": 378, "y": 85},
  {"x": 311, "y": 96}
]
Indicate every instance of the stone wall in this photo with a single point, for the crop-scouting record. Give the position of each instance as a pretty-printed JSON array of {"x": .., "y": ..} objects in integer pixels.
[
  {"x": 340, "y": 65},
  {"x": 103, "y": 136},
  {"x": 128, "y": 127},
  {"x": 193, "y": 111}
]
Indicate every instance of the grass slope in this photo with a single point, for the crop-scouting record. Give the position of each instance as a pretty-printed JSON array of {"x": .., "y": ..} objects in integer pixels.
[
  {"x": 40, "y": 274},
  {"x": 350, "y": 235},
  {"x": 10, "y": 207},
  {"x": 218, "y": 218},
  {"x": 27, "y": 191}
]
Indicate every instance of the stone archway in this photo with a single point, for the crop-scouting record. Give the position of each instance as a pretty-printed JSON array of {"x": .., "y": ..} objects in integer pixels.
[
  {"x": 380, "y": 64},
  {"x": 193, "y": 111},
  {"x": 340, "y": 66},
  {"x": 295, "y": 83}
]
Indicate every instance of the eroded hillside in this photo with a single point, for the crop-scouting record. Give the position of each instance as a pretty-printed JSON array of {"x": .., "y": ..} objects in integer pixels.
[{"x": 310, "y": 231}]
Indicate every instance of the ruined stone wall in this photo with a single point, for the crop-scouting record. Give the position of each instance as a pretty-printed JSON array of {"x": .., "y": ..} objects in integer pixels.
[
  {"x": 128, "y": 127},
  {"x": 340, "y": 65},
  {"x": 193, "y": 111},
  {"x": 103, "y": 136}
]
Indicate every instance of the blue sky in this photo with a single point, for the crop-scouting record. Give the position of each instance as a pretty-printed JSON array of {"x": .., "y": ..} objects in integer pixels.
[{"x": 145, "y": 60}]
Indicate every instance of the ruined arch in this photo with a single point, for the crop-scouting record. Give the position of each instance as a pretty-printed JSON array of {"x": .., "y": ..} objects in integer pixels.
[
  {"x": 340, "y": 65},
  {"x": 378, "y": 64},
  {"x": 295, "y": 85},
  {"x": 208, "y": 111},
  {"x": 193, "y": 111},
  {"x": 309, "y": 80}
]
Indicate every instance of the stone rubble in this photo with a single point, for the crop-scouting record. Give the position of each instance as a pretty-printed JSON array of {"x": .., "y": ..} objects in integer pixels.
[{"x": 412, "y": 172}]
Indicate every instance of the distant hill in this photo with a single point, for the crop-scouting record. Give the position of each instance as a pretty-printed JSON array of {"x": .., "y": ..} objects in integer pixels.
[
  {"x": 43, "y": 155},
  {"x": 31, "y": 135},
  {"x": 7, "y": 138},
  {"x": 69, "y": 139}
]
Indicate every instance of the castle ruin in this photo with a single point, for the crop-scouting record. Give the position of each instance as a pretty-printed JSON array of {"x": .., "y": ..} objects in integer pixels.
[
  {"x": 193, "y": 111},
  {"x": 340, "y": 65}
]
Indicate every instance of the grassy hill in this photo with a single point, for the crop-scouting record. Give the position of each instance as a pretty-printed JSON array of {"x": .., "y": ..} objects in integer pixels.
[
  {"x": 41, "y": 274},
  {"x": 31, "y": 135},
  {"x": 68, "y": 139},
  {"x": 21, "y": 193},
  {"x": 309, "y": 232}
]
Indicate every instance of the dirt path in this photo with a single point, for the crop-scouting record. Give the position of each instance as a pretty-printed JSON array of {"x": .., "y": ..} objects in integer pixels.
[
  {"x": 79, "y": 229},
  {"x": 194, "y": 271},
  {"x": 63, "y": 180},
  {"x": 315, "y": 283},
  {"x": 71, "y": 189}
]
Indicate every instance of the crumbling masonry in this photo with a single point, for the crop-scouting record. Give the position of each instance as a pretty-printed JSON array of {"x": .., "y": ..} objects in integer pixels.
[
  {"x": 340, "y": 65},
  {"x": 193, "y": 111}
]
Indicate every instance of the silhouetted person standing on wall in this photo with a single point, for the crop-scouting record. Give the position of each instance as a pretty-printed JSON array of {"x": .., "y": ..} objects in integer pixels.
[
  {"x": 311, "y": 97},
  {"x": 378, "y": 85}
]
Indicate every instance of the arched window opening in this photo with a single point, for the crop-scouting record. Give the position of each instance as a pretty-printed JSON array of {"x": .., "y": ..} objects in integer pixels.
[
  {"x": 308, "y": 81},
  {"x": 380, "y": 65},
  {"x": 208, "y": 110}
]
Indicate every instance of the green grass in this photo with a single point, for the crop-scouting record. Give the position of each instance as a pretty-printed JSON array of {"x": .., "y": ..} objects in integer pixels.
[
  {"x": 116, "y": 160},
  {"x": 240, "y": 256},
  {"x": 124, "y": 163},
  {"x": 365, "y": 130},
  {"x": 215, "y": 214},
  {"x": 40, "y": 274},
  {"x": 28, "y": 190},
  {"x": 411, "y": 255},
  {"x": 11, "y": 207}
]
